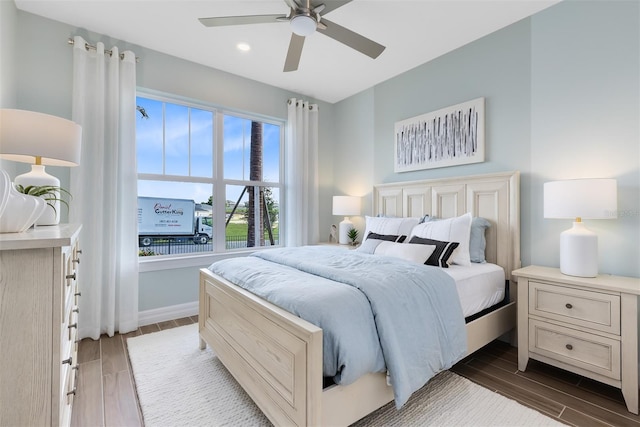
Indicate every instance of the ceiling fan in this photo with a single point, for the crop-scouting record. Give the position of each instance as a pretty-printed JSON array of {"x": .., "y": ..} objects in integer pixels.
[{"x": 305, "y": 18}]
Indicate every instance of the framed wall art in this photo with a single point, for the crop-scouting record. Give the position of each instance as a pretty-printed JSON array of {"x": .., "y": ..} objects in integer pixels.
[{"x": 446, "y": 137}]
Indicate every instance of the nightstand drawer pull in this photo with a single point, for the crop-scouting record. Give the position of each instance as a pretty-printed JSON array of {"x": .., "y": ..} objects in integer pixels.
[
  {"x": 569, "y": 306},
  {"x": 76, "y": 261},
  {"x": 76, "y": 310},
  {"x": 71, "y": 276},
  {"x": 569, "y": 347},
  {"x": 73, "y": 325},
  {"x": 72, "y": 392},
  {"x": 69, "y": 361},
  {"x": 77, "y": 294}
]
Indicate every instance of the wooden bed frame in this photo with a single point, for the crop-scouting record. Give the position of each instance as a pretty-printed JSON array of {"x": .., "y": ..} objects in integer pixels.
[{"x": 277, "y": 357}]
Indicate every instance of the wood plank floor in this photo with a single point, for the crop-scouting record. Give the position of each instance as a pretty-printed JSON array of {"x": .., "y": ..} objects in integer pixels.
[{"x": 107, "y": 397}]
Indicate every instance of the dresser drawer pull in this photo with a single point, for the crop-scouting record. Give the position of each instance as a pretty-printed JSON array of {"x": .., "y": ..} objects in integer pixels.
[
  {"x": 569, "y": 306},
  {"x": 73, "y": 325},
  {"x": 69, "y": 361},
  {"x": 72, "y": 392},
  {"x": 71, "y": 276},
  {"x": 76, "y": 261},
  {"x": 76, "y": 310},
  {"x": 79, "y": 251},
  {"x": 77, "y": 294},
  {"x": 569, "y": 347}
]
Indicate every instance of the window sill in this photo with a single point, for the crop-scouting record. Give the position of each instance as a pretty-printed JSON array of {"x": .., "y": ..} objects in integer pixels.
[{"x": 168, "y": 262}]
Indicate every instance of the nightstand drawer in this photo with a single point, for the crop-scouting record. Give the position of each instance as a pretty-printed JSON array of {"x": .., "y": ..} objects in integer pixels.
[
  {"x": 594, "y": 310},
  {"x": 588, "y": 351}
]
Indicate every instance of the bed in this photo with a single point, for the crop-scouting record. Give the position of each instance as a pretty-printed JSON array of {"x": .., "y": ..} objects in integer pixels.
[{"x": 277, "y": 357}]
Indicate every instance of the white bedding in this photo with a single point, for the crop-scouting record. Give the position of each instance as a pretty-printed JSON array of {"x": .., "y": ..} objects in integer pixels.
[{"x": 479, "y": 286}]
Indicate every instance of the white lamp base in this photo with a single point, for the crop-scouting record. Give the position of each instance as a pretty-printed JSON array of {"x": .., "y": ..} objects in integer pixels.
[
  {"x": 344, "y": 227},
  {"x": 579, "y": 251},
  {"x": 39, "y": 177}
]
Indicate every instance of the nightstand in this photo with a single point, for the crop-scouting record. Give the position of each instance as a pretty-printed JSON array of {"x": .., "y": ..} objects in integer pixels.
[{"x": 584, "y": 325}]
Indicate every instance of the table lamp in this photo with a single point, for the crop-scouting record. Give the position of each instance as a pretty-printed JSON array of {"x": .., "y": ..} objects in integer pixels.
[
  {"x": 39, "y": 139},
  {"x": 345, "y": 206},
  {"x": 580, "y": 199}
]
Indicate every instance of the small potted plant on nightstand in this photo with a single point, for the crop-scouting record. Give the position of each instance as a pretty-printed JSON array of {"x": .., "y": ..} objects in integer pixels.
[{"x": 352, "y": 234}]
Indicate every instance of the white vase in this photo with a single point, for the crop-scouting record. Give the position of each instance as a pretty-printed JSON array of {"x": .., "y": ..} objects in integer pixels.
[
  {"x": 39, "y": 177},
  {"x": 20, "y": 210}
]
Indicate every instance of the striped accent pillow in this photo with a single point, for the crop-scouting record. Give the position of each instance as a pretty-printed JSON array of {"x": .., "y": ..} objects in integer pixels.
[
  {"x": 387, "y": 237},
  {"x": 441, "y": 255}
]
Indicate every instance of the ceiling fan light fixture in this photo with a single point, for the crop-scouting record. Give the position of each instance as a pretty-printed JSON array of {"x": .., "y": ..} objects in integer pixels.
[{"x": 303, "y": 25}]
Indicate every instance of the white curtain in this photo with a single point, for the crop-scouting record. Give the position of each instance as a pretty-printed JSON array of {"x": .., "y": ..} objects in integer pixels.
[
  {"x": 104, "y": 189},
  {"x": 302, "y": 225}
]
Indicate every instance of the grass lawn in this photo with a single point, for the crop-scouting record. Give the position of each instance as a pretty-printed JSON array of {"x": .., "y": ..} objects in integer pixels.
[{"x": 239, "y": 229}]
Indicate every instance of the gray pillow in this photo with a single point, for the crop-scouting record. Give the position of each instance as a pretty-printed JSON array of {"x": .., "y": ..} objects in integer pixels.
[{"x": 477, "y": 241}]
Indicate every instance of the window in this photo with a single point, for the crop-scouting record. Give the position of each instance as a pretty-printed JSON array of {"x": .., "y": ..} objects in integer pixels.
[{"x": 209, "y": 180}]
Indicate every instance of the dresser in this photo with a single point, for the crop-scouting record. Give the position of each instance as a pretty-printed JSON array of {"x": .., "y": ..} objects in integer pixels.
[
  {"x": 38, "y": 325},
  {"x": 584, "y": 325}
]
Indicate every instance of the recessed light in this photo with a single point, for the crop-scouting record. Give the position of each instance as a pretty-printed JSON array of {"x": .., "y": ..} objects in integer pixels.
[{"x": 243, "y": 47}]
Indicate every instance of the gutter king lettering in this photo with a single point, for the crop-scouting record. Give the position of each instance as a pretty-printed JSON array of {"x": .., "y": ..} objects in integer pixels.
[{"x": 167, "y": 210}]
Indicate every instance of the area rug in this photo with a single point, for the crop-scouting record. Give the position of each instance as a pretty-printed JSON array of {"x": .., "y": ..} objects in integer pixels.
[{"x": 180, "y": 385}]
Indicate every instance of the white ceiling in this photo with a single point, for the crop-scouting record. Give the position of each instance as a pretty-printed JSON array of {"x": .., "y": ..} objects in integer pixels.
[{"x": 413, "y": 31}]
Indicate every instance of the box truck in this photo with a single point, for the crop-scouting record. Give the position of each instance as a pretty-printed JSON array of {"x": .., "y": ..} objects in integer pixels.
[{"x": 164, "y": 218}]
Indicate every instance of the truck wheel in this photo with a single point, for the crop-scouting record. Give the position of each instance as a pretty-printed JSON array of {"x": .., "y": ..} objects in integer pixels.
[
  {"x": 202, "y": 239},
  {"x": 145, "y": 241}
]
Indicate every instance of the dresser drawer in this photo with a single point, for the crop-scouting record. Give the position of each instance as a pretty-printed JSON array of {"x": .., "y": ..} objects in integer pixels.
[
  {"x": 595, "y": 310},
  {"x": 588, "y": 351}
]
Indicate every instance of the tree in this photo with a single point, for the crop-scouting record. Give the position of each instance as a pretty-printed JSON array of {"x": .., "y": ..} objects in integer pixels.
[{"x": 255, "y": 232}]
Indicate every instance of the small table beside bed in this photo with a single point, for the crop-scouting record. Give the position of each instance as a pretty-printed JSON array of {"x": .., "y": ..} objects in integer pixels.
[{"x": 263, "y": 317}]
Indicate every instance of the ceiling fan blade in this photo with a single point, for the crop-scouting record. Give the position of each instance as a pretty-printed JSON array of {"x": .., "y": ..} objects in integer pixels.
[
  {"x": 351, "y": 39},
  {"x": 333, "y": 5},
  {"x": 294, "y": 53},
  {"x": 239, "y": 20}
]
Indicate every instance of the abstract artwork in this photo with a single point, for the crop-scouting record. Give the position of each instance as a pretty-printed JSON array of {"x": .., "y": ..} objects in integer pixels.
[{"x": 446, "y": 137}]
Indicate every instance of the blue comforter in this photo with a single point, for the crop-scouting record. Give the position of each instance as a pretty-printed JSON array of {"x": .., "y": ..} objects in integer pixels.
[{"x": 377, "y": 313}]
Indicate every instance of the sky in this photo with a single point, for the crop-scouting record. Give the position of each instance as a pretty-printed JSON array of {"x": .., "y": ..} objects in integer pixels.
[{"x": 185, "y": 143}]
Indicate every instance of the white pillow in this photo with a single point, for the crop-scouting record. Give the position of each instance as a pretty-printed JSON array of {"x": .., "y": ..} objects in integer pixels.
[
  {"x": 456, "y": 229},
  {"x": 384, "y": 225},
  {"x": 409, "y": 251}
]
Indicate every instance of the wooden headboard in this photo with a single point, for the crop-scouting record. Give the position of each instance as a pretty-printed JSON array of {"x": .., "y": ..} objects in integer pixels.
[{"x": 495, "y": 197}]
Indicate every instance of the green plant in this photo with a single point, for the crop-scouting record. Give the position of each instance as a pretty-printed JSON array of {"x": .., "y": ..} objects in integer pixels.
[
  {"x": 47, "y": 192},
  {"x": 352, "y": 234}
]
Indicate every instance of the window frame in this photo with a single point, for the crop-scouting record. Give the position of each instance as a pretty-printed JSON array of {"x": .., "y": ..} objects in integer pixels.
[{"x": 219, "y": 184}]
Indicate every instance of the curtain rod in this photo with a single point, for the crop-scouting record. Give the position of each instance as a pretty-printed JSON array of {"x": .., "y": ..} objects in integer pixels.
[{"x": 92, "y": 47}]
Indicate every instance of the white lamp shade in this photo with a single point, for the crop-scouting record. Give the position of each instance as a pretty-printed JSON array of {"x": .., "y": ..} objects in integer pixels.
[
  {"x": 346, "y": 205},
  {"x": 26, "y": 135},
  {"x": 581, "y": 198}
]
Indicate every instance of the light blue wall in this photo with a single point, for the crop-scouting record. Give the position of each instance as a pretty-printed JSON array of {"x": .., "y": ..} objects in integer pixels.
[
  {"x": 353, "y": 155},
  {"x": 8, "y": 90},
  {"x": 585, "y": 119},
  {"x": 562, "y": 101}
]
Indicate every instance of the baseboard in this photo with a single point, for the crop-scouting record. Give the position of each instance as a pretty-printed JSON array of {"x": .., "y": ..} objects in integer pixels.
[{"x": 171, "y": 312}]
